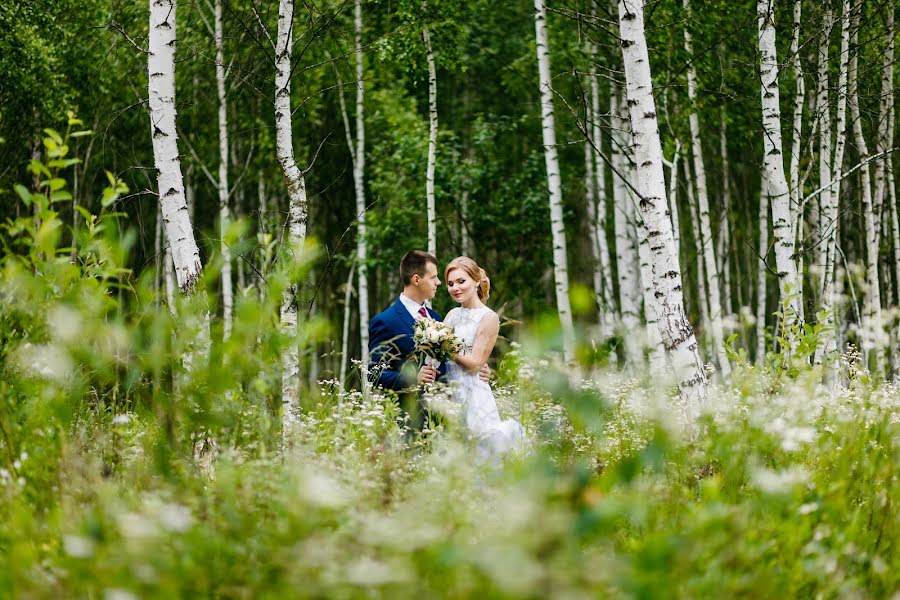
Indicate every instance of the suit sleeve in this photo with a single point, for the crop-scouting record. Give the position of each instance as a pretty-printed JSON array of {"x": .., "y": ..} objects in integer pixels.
[{"x": 380, "y": 371}]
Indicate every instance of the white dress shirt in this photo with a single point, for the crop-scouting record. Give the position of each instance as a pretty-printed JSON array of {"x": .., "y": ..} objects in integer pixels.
[{"x": 412, "y": 306}]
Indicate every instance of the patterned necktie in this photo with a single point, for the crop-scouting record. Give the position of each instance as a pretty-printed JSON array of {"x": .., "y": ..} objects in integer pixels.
[{"x": 423, "y": 312}]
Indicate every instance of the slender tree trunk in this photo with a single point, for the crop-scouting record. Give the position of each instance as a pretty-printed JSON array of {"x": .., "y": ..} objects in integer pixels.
[
  {"x": 762, "y": 273},
  {"x": 158, "y": 253},
  {"x": 677, "y": 333},
  {"x": 600, "y": 178},
  {"x": 297, "y": 212},
  {"x": 871, "y": 326},
  {"x": 161, "y": 69},
  {"x": 432, "y": 145},
  {"x": 224, "y": 211},
  {"x": 819, "y": 225},
  {"x": 558, "y": 229},
  {"x": 706, "y": 241},
  {"x": 702, "y": 277},
  {"x": 627, "y": 261},
  {"x": 885, "y": 133},
  {"x": 773, "y": 166},
  {"x": 345, "y": 337},
  {"x": 594, "y": 235},
  {"x": 262, "y": 230},
  {"x": 362, "y": 270},
  {"x": 724, "y": 249},
  {"x": 799, "y": 98},
  {"x": 673, "y": 195},
  {"x": 830, "y": 210}
]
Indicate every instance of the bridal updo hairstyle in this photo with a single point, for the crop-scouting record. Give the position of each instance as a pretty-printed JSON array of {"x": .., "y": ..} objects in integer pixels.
[{"x": 474, "y": 271}]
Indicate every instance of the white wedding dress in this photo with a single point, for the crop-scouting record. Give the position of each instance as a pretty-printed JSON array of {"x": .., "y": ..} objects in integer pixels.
[{"x": 482, "y": 420}]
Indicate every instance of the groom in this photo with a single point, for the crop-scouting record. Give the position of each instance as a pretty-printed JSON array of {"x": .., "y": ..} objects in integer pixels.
[{"x": 391, "y": 346}]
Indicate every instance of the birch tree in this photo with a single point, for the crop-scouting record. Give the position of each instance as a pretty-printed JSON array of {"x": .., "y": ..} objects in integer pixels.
[
  {"x": 871, "y": 326},
  {"x": 297, "y": 211},
  {"x": 161, "y": 71},
  {"x": 677, "y": 333},
  {"x": 885, "y": 137},
  {"x": 224, "y": 209},
  {"x": 557, "y": 227},
  {"x": 432, "y": 144},
  {"x": 627, "y": 260},
  {"x": 762, "y": 272},
  {"x": 830, "y": 209},
  {"x": 799, "y": 98},
  {"x": 706, "y": 242},
  {"x": 773, "y": 165},
  {"x": 724, "y": 248}
]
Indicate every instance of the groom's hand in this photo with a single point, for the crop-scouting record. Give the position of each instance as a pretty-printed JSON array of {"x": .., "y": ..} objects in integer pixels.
[
  {"x": 485, "y": 373},
  {"x": 427, "y": 374}
]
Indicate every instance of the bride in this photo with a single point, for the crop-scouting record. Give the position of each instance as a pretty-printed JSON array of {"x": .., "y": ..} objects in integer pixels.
[{"x": 477, "y": 326}]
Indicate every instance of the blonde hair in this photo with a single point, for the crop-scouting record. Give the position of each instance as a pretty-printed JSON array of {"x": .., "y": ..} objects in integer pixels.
[{"x": 474, "y": 271}]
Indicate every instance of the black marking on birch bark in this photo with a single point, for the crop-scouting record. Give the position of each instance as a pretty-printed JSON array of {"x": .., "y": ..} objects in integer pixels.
[
  {"x": 677, "y": 288},
  {"x": 650, "y": 115},
  {"x": 627, "y": 43},
  {"x": 631, "y": 102},
  {"x": 654, "y": 233},
  {"x": 646, "y": 163},
  {"x": 671, "y": 274},
  {"x": 774, "y": 152}
]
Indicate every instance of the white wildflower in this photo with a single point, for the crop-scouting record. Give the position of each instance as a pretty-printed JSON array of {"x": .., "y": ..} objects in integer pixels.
[
  {"x": 121, "y": 419},
  {"x": 779, "y": 482},
  {"x": 175, "y": 517},
  {"x": 78, "y": 546},
  {"x": 118, "y": 594}
]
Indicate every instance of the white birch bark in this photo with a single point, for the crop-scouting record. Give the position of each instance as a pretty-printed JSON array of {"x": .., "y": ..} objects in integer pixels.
[
  {"x": 297, "y": 211},
  {"x": 362, "y": 270},
  {"x": 830, "y": 210},
  {"x": 432, "y": 144},
  {"x": 871, "y": 326},
  {"x": 673, "y": 195},
  {"x": 773, "y": 166},
  {"x": 693, "y": 221},
  {"x": 799, "y": 98},
  {"x": 724, "y": 248},
  {"x": 345, "y": 337},
  {"x": 707, "y": 244},
  {"x": 627, "y": 261},
  {"x": 557, "y": 226},
  {"x": 885, "y": 133},
  {"x": 762, "y": 272},
  {"x": 652, "y": 307},
  {"x": 677, "y": 333},
  {"x": 819, "y": 226},
  {"x": 224, "y": 210},
  {"x": 594, "y": 235},
  {"x": 600, "y": 178},
  {"x": 161, "y": 71}
]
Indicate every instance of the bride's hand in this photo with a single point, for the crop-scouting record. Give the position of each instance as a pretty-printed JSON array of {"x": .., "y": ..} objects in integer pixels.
[{"x": 485, "y": 373}]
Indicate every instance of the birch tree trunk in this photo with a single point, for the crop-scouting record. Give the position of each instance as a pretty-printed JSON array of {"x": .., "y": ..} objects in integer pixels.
[
  {"x": 673, "y": 195},
  {"x": 823, "y": 113},
  {"x": 773, "y": 167},
  {"x": 706, "y": 242},
  {"x": 594, "y": 233},
  {"x": 871, "y": 326},
  {"x": 297, "y": 211},
  {"x": 557, "y": 227},
  {"x": 830, "y": 211},
  {"x": 161, "y": 70},
  {"x": 600, "y": 178},
  {"x": 677, "y": 333},
  {"x": 627, "y": 261},
  {"x": 885, "y": 133},
  {"x": 693, "y": 224},
  {"x": 345, "y": 337},
  {"x": 432, "y": 144},
  {"x": 724, "y": 248},
  {"x": 224, "y": 211},
  {"x": 362, "y": 270},
  {"x": 799, "y": 98},
  {"x": 762, "y": 272}
]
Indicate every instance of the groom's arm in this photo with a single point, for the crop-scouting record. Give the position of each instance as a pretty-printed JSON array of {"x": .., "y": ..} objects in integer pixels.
[{"x": 380, "y": 350}]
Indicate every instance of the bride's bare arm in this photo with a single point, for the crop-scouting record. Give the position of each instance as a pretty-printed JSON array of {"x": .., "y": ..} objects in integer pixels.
[{"x": 485, "y": 339}]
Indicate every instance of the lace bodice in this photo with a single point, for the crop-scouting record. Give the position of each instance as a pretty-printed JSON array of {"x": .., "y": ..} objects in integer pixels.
[{"x": 465, "y": 323}]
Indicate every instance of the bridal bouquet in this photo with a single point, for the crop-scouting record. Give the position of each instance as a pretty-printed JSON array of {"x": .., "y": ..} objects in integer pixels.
[{"x": 436, "y": 340}]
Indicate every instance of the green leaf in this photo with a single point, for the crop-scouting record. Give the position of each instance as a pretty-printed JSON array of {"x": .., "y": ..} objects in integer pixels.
[
  {"x": 109, "y": 196},
  {"x": 57, "y": 183},
  {"x": 85, "y": 213},
  {"x": 36, "y": 167},
  {"x": 60, "y": 196},
  {"x": 53, "y": 135},
  {"x": 58, "y": 152},
  {"x": 23, "y": 193},
  {"x": 62, "y": 163},
  {"x": 82, "y": 133}
]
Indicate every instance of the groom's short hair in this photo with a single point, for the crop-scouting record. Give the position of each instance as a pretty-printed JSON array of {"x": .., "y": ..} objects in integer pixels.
[{"x": 413, "y": 263}]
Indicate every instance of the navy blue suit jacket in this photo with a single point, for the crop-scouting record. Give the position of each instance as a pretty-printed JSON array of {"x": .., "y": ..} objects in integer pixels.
[{"x": 391, "y": 345}]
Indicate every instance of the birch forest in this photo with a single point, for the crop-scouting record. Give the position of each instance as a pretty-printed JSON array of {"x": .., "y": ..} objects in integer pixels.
[{"x": 688, "y": 214}]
